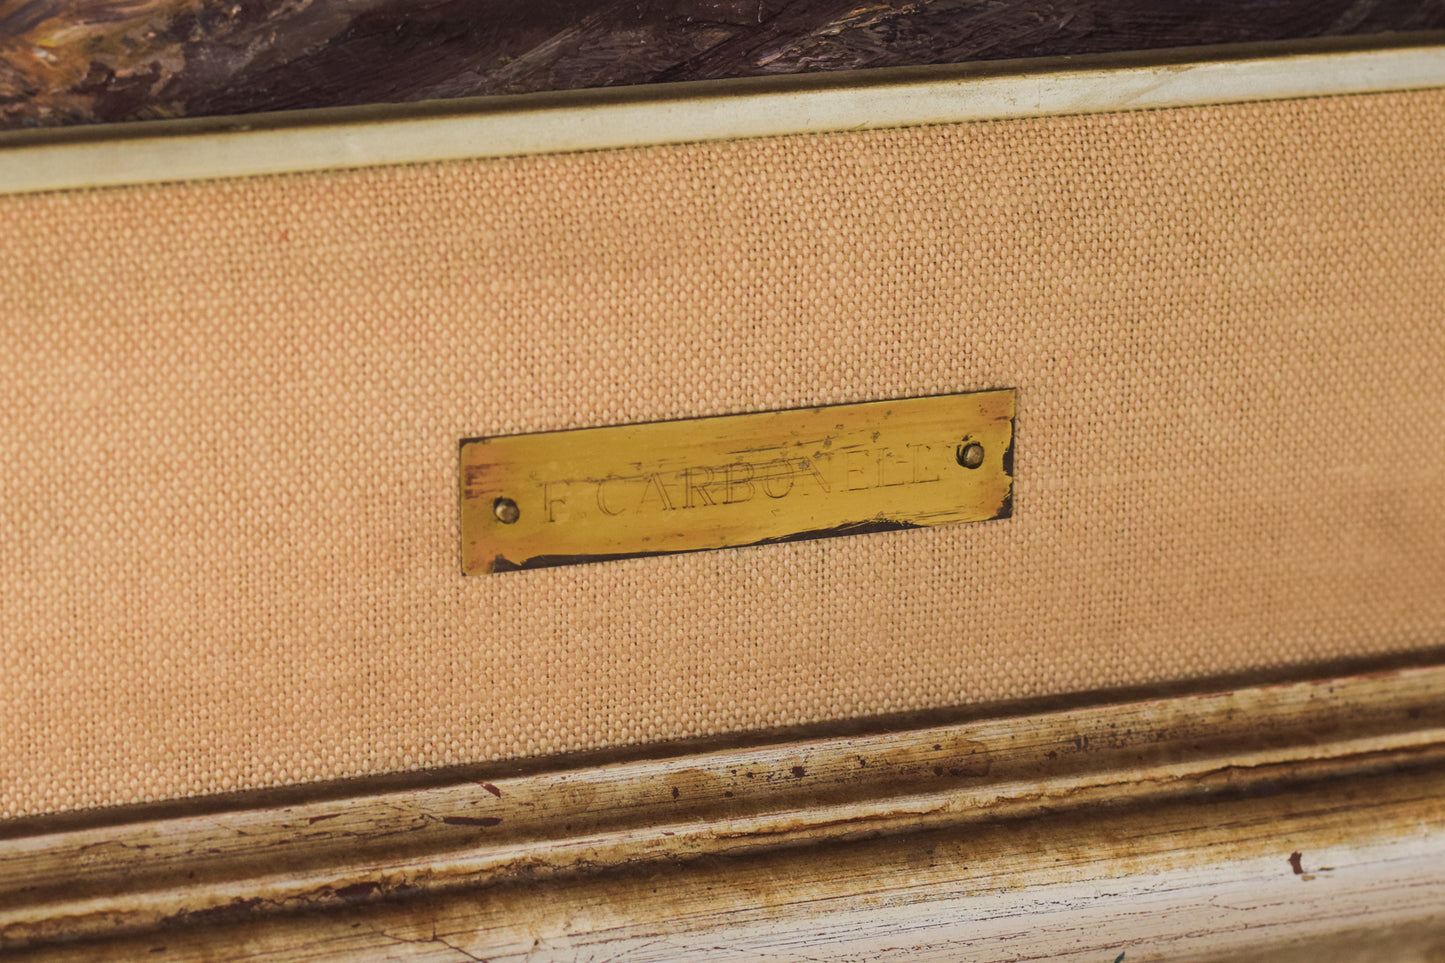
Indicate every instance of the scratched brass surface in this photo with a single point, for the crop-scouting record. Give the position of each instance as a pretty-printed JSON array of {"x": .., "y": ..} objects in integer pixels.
[{"x": 594, "y": 494}]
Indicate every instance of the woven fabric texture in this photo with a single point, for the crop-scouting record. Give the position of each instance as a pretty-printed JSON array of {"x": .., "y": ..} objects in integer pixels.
[{"x": 230, "y": 411}]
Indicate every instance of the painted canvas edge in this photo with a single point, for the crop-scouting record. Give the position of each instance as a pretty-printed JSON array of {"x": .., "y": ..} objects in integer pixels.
[{"x": 167, "y": 151}]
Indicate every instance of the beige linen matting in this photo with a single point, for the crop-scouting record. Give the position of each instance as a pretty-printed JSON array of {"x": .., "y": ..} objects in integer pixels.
[{"x": 231, "y": 411}]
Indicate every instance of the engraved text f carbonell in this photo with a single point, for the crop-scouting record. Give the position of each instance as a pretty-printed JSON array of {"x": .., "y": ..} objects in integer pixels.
[{"x": 739, "y": 482}]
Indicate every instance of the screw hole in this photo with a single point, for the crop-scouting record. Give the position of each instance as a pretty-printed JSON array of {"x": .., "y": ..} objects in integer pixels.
[
  {"x": 506, "y": 511},
  {"x": 970, "y": 455}
]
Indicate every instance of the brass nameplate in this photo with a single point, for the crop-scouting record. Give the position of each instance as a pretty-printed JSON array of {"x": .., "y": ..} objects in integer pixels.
[{"x": 594, "y": 494}]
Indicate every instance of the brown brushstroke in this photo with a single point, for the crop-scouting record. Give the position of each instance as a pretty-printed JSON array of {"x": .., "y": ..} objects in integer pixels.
[{"x": 112, "y": 60}]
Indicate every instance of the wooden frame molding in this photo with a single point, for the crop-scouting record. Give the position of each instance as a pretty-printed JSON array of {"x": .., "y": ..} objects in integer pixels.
[
  {"x": 1227, "y": 822},
  {"x": 497, "y": 126},
  {"x": 1192, "y": 785}
]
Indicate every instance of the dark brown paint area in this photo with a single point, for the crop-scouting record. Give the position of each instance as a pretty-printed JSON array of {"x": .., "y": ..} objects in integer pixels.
[{"x": 111, "y": 60}]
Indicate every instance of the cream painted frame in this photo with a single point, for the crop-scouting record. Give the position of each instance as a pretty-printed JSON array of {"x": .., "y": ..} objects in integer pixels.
[{"x": 1192, "y": 825}]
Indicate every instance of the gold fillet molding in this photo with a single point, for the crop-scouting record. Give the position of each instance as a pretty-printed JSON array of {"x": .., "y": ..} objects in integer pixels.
[
  {"x": 163, "y": 151},
  {"x": 1276, "y": 768}
]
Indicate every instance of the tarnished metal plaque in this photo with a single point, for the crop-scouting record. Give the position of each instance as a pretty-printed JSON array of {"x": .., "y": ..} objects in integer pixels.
[{"x": 595, "y": 494}]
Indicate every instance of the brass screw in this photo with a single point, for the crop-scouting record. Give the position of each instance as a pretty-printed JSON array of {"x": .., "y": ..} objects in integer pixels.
[
  {"x": 506, "y": 511},
  {"x": 970, "y": 455}
]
